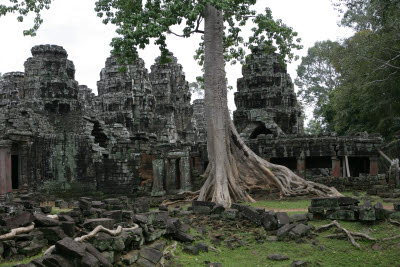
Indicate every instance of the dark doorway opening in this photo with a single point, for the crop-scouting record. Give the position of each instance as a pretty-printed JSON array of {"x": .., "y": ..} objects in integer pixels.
[
  {"x": 290, "y": 163},
  {"x": 261, "y": 129},
  {"x": 14, "y": 171},
  {"x": 178, "y": 174}
]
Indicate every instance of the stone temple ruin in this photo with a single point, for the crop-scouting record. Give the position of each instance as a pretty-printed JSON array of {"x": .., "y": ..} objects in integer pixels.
[{"x": 141, "y": 135}]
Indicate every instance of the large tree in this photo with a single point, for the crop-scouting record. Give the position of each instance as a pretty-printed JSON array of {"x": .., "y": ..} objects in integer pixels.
[
  {"x": 316, "y": 79},
  {"x": 233, "y": 168}
]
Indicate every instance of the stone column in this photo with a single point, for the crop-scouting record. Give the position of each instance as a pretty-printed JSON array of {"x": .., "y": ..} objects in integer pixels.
[
  {"x": 185, "y": 174},
  {"x": 373, "y": 166},
  {"x": 5, "y": 170},
  {"x": 336, "y": 167},
  {"x": 158, "y": 175},
  {"x": 301, "y": 167},
  {"x": 171, "y": 176}
]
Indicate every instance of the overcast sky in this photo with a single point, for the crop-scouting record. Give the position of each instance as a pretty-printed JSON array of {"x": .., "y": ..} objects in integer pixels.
[{"x": 74, "y": 25}]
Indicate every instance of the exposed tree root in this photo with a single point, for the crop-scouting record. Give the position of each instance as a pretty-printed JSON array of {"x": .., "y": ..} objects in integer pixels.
[
  {"x": 17, "y": 231},
  {"x": 350, "y": 235},
  {"x": 394, "y": 222},
  {"x": 95, "y": 231},
  {"x": 244, "y": 170},
  {"x": 188, "y": 196},
  {"x": 168, "y": 250},
  {"x": 391, "y": 238}
]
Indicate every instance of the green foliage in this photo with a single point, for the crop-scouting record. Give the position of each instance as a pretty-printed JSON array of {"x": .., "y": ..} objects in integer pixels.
[
  {"x": 23, "y": 8},
  {"x": 138, "y": 24},
  {"x": 353, "y": 85},
  {"x": 316, "y": 79}
]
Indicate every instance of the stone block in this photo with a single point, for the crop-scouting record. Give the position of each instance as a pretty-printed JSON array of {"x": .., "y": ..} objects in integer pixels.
[
  {"x": 204, "y": 210},
  {"x": 44, "y": 221},
  {"x": 151, "y": 254},
  {"x": 130, "y": 257},
  {"x": 343, "y": 215},
  {"x": 282, "y": 219},
  {"x": 324, "y": 202},
  {"x": 230, "y": 214},
  {"x": 270, "y": 222},
  {"x": 70, "y": 248}
]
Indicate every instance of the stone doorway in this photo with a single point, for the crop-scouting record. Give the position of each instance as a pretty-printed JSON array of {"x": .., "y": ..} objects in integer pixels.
[{"x": 15, "y": 171}]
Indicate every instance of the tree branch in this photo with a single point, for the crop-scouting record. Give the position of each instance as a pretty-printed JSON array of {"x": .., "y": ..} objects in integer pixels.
[{"x": 196, "y": 30}]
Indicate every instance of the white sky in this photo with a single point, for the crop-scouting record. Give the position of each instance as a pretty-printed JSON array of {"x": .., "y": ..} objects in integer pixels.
[{"x": 74, "y": 25}]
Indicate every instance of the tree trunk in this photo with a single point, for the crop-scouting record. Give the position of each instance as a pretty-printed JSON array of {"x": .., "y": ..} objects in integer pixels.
[{"x": 233, "y": 168}]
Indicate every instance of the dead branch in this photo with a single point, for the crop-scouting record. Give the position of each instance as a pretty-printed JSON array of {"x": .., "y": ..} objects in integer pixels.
[
  {"x": 17, "y": 231},
  {"x": 350, "y": 235},
  {"x": 188, "y": 196}
]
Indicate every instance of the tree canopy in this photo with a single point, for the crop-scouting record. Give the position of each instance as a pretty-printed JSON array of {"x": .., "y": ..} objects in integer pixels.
[{"x": 364, "y": 94}]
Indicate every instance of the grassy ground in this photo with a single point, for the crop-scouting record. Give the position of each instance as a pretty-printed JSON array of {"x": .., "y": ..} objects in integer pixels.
[
  {"x": 318, "y": 250},
  {"x": 55, "y": 210}
]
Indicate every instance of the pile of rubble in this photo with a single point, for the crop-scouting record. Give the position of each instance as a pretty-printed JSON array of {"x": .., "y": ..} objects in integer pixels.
[
  {"x": 131, "y": 232},
  {"x": 347, "y": 209}
]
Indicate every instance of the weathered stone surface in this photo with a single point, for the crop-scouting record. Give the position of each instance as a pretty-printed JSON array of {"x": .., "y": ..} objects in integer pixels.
[
  {"x": 130, "y": 257},
  {"x": 299, "y": 230},
  {"x": 56, "y": 260},
  {"x": 103, "y": 261},
  {"x": 344, "y": 215},
  {"x": 69, "y": 247},
  {"x": 230, "y": 214},
  {"x": 282, "y": 219},
  {"x": 151, "y": 254},
  {"x": 205, "y": 210},
  {"x": 191, "y": 250},
  {"x": 20, "y": 220},
  {"x": 283, "y": 232},
  {"x": 325, "y": 202},
  {"x": 269, "y": 222},
  {"x": 201, "y": 247},
  {"x": 43, "y": 221},
  {"x": 53, "y": 234},
  {"x": 367, "y": 212},
  {"x": 68, "y": 228}
]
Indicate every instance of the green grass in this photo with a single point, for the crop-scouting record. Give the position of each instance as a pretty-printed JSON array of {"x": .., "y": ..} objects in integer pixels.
[
  {"x": 318, "y": 251},
  {"x": 55, "y": 210},
  {"x": 282, "y": 204},
  {"x": 24, "y": 261}
]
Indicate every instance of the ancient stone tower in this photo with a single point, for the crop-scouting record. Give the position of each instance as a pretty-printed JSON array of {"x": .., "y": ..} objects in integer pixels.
[
  {"x": 50, "y": 80},
  {"x": 173, "y": 109},
  {"x": 126, "y": 97},
  {"x": 266, "y": 102}
]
